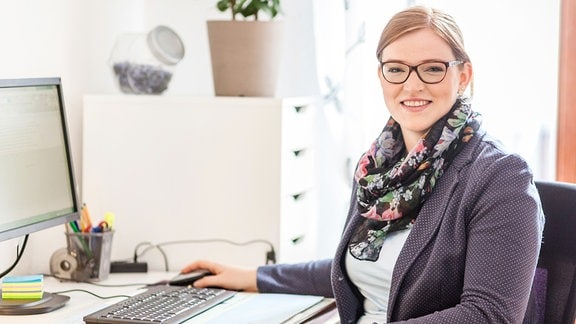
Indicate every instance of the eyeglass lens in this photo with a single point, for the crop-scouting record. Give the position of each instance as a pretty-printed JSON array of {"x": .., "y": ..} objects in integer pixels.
[{"x": 430, "y": 72}]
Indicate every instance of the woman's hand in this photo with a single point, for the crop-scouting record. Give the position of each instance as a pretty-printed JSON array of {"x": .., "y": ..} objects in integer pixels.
[{"x": 223, "y": 276}]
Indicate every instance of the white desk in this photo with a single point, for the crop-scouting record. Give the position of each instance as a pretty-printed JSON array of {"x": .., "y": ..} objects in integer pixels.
[{"x": 82, "y": 303}]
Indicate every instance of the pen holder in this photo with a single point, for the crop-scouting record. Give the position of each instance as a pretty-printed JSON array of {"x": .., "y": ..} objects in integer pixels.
[{"x": 92, "y": 253}]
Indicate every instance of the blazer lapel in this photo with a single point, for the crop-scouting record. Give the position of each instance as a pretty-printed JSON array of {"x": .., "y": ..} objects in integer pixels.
[{"x": 429, "y": 220}]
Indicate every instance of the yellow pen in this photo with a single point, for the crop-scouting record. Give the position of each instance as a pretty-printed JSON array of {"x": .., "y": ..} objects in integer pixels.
[{"x": 109, "y": 218}]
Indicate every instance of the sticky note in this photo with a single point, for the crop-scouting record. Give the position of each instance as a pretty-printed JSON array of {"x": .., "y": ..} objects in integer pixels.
[{"x": 23, "y": 287}]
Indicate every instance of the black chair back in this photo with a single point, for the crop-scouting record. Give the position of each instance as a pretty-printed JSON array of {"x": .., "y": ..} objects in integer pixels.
[{"x": 554, "y": 284}]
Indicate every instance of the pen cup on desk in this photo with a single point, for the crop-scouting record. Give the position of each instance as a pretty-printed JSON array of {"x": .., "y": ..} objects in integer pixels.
[{"x": 92, "y": 252}]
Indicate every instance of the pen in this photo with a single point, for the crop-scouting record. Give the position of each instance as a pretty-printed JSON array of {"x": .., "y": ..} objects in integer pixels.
[
  {"x": 103, "y": 226},
  {"x": 109, "y": 219},
  {"x": 77, "y": 234},
  {"x": 74, "y": 226}
]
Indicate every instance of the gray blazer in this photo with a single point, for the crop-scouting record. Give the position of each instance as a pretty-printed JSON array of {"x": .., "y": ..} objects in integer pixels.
[{"x": 470, "y": 257}]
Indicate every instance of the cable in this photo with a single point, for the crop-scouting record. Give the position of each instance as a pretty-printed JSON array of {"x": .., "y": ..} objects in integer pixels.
[
  {"x": 270, "y": 255},
  {"x": 91, "y": 293},
  {"x": 19, "y": 254},
  {"x": 150, "y": 246},
  {"x": 97, "y": 284},
  {"x": 137, "y": 247}
]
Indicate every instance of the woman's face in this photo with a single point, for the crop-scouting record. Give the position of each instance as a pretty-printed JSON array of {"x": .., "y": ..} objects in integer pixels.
[{"x": 416, "y": 105}]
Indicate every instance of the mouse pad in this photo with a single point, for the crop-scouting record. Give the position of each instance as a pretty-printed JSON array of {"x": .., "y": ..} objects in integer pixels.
[{"x": 262, "y": 308}]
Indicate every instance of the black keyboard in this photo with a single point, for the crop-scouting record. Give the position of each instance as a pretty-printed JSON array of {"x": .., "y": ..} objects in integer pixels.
[{"x": 161, "y": 304}]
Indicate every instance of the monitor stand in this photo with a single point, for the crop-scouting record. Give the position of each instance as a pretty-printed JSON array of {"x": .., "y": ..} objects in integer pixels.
[{"x": 48, "y": 303}]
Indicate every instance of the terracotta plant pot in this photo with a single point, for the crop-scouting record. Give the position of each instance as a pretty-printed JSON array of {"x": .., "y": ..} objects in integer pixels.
[{"x": 245, "y": 57}]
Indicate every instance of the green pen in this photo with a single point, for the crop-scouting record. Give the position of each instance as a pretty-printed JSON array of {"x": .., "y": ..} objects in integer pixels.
[{"x": 77, "y": 234}]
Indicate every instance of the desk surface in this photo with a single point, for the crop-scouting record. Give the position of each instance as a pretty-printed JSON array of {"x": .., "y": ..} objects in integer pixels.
[{"x": 82, "y": 303}]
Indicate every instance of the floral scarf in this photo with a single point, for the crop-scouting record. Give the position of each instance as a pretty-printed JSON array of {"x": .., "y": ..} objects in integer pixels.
[{"x": 393, "y": 185}]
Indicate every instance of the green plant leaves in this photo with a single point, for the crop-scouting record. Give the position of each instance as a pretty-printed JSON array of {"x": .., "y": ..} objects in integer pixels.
[{"x": 249, "y": 8}]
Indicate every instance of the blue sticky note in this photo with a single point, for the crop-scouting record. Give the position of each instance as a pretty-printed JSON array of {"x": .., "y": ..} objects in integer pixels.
[{"x": 23, "y": 279}]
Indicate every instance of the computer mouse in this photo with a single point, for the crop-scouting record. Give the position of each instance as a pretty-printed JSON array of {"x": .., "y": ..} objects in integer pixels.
[{"x": 186, "y": 279}]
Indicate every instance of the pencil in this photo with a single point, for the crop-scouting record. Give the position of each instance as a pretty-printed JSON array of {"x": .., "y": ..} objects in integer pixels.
[{"x": 85, "y": 220}]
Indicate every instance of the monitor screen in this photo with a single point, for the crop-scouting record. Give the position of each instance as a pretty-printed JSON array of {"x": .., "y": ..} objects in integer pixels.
[{"x": 37, "y": 187}]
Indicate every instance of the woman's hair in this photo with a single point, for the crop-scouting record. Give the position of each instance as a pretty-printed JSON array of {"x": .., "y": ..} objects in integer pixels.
[{"x": 418, "y": 17}]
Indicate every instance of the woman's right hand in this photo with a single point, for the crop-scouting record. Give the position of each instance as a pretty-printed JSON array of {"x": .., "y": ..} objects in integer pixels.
[{"x": 223, "y": 276}]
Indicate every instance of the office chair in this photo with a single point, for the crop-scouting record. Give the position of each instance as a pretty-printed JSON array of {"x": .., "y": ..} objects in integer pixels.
[{"x": 554, "y": 287}]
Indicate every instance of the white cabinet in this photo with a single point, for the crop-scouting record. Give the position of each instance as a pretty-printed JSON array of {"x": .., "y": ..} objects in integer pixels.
[{"x": 202, "y": 169}]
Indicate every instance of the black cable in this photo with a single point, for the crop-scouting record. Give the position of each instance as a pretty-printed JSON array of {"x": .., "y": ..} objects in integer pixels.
[
  {"x": 137, "y": 247},
  {"x": 91, "y": 293},
  {"x": 270, "y": 255},
  {"x": 118, "y": 285},
  {"x": 97, "y": 284},
  {"x": 150, "y": 246},
  {"x": 19, "y": 254}
]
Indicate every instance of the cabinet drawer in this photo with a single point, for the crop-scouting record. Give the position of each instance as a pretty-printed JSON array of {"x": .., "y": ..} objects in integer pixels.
[
  {"x": 297, "y": 227},
  {"x": 297, "y": 126},
  {"x": 297, "y": 170},
  {"x": 296, "y": 113},
  {"x": 296, "y": 211}
]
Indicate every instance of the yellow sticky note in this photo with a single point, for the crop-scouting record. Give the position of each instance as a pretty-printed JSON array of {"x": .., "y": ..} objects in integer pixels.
[{"x": 23, "y": 287}]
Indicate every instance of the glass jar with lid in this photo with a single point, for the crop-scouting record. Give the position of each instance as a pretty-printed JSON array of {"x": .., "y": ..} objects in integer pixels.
[{"x": 143, "y": 63}]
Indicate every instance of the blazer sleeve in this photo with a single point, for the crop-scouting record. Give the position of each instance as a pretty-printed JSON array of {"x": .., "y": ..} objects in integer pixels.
[
  {"x": 310, "y": 278},
  {"x": 504, "y": 236},
  {"x": 501, "y": 242}
]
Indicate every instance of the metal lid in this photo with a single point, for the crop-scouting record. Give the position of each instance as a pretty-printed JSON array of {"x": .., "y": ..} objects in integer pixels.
[{"x": 166, "y": 45}]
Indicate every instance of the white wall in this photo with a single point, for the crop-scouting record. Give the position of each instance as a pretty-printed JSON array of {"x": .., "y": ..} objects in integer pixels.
[
  {"x": 73, "y": 39},
  {"x": 513, "y": 46}
]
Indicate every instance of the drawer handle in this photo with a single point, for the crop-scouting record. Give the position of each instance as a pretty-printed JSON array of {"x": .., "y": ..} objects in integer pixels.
[
  {"x": 299, "y": 109},
  {"x": 298, "y": 196},
  {"x": 297, "y": 239},
  {"x": 298, "y": 152}
]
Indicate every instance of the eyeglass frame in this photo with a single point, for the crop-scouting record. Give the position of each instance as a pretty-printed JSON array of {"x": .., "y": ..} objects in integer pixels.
[{"x": 447, "y": 64}]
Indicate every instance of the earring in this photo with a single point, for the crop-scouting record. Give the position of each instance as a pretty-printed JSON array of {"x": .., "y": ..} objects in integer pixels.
[{"x": 460, "y": 92}]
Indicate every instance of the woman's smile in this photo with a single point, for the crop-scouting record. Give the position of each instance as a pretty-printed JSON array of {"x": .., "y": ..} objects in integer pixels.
[{"x": 415, "y": 104}]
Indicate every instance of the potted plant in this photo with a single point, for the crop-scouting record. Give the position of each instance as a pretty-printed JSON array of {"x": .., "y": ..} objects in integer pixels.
[
  {"x": 249, "y": 8},
  {"x": 246, "y": 52}
]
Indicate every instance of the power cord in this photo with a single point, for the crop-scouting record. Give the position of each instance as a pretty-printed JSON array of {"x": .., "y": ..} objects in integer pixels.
[
  {"x": 19, "y": 253},
  {"x": 143, "y": 285},
  {"x": 90, "y": 293},
  {"x": 97, "y": 284},
  {"x": 270, "y": 255},
  {"x": 150, "y": 247}
]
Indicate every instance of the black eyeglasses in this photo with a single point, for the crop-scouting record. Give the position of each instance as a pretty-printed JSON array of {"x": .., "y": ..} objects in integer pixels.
[{"x": 428, "y": 72}]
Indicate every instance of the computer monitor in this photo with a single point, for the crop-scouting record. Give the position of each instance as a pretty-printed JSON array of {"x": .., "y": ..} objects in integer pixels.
[{"x": 37, "y": 185}]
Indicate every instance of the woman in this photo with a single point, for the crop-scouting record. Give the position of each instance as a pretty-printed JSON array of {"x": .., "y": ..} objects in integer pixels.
[{"x": 444, "y": 225}]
